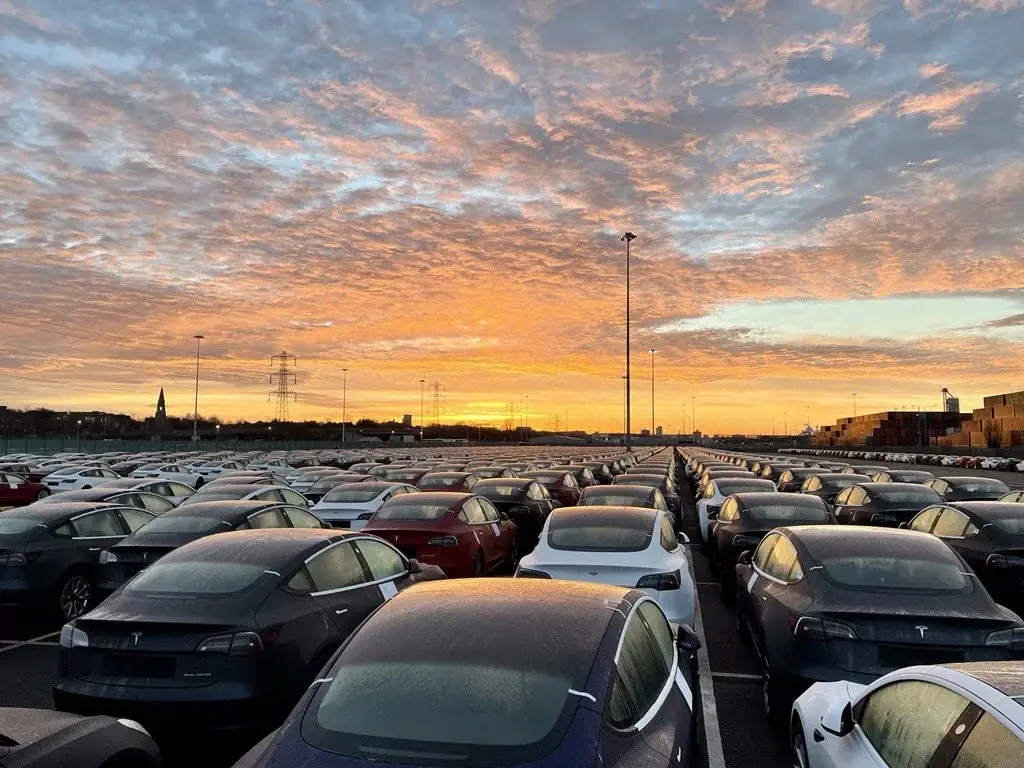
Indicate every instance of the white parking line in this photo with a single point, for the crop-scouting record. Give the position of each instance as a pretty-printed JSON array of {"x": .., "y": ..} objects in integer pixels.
[
  {"x": 712, "y": 730},
  {"x": 30, "y": 641}
]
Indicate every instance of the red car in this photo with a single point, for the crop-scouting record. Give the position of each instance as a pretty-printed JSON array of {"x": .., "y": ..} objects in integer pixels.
[
  {"x": 16, "y": 491},
  {"x": 448, "y": 481},
  {"x": 25, "y": 470},
  {"x": 561, "y": 485},
  {"x": 462, "y": 534}
]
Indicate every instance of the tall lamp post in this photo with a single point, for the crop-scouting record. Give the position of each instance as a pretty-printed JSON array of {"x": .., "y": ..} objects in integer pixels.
[
  {"x": 78, "y": 433},
  {"x": 855, "y": 405},
  {"x": 344, "y": 402},
  {"x": 195, "y": 408},
  {"x": 628, "y": 237},
  {"x": 526, "y": 417},
  {"x": 693, "y": 418},
  {"x": 652, "y": 393},
  {"x": 423, "y": 383}
]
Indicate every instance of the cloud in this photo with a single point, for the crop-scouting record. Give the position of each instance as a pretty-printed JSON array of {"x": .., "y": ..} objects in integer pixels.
[{"x": 944, "y": 105}]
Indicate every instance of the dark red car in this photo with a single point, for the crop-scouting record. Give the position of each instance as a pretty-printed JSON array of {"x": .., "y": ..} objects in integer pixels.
[
  {"x": 462, "y": 534},
  {"x": 30, "y": 473},
  {"x": 561, "y": 485},
  {"x": 16, "y": 491},
  {"x": 448, "y": 481}
]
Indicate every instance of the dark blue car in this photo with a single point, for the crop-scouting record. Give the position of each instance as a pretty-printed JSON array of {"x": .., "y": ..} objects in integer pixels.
[{"x": 476, "y": 673}]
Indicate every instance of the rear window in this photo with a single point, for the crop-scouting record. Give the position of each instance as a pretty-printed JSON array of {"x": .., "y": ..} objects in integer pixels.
[
  {"x": 353, "y": 495},
  {"x": 786, "y": 513},
  {"x": 729, "y": 487},
  {"x": 214, "y": 495},
  {"x": 607, "y": 500},
  {"x": 993, "y": 486},
  {"x": 196, "y": 578},
  {"x": 442, "y": 482},
  {"x": 621, "y": 536},
  {"x": 500, "y": 490},
  {"x": 905, "y": 495},
  {"x": 183, "y": 524},
  {"x": 549, "y": 478},
  {"x": 406, "y": 511},
  {"x": 11, "y": 526},
  {"x": 904, "y": 573}
]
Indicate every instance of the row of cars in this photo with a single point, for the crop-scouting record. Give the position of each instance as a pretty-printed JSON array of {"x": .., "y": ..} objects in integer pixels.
[
  {"x": 998, "y": 463},
  {"x": 233, "y": 627},
  {"x": 846, "y": 589}
]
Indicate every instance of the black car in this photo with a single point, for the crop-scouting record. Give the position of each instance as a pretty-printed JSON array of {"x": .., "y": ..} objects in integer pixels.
[
  {"x": 989, "y": 535},
  {"x": 828, "y": 603},
  {"x": 151, "y": 502},
  {"x": 662, "y": 482},
  {"x": 793, "y": 478},
  {"x": 246, "y": 491},
  {"x": 623, "y": 496},
  {"x": 773, "y": 471},
  {"x": 42, "y": 738},
  {"x": 189, "y": 522},
  {"x": 489, "y": 472},
  {"x": 917, "y": 476},
  {"x": 526, "y": 502},
  {"x": 864, "y": 469},
  {"x": 602, "y": 471},
  {"x": 228, "y": 631},
  {"x": 746, "y": 518},
  {"x": 828, "y": 486},
  {"x": 49, "y": 553},
  {"x": 887, "y": 504},
  {"x": 961, "y": 488},
  {"x": 538, "y": 673}
]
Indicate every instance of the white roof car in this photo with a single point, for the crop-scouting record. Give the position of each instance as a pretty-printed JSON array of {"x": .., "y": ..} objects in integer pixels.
[
  {"x": 717, "y": 491},
  {"x": 957, "y": 715},
  {"x": 170, "y": 472},
  {"x": 351, "y": 505},
  {"x": 78, "y": 478},
  {"x": 631, "y": 547}
]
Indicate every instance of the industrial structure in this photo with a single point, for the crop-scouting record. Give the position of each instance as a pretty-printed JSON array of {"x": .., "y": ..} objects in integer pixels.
[{"x": 284, "y": 379}]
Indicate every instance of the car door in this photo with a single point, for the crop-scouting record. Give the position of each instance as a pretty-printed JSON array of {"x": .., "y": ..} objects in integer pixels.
[
  {"x": 15, "y": 490},
  {"x": 92, "y": 532},
  {"x": 778, "y": 595},
  {"x": 503, "y": 530},
  {"x": 341, "y": 587},
  {"x": 389, "y": 570},
  {"x": 134, "y": 519},
  {"x": 481, "y": 529},
  {"x": 840, "y": 508}
]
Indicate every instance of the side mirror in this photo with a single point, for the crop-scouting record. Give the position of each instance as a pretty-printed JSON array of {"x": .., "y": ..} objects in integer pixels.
[
  {"x": 712, "y": 515},
  {"x": 746, "y": 557},
  {"x": 414, "y": 566},
  {"x": 904, "y": 526},
  {"x": 838, "y": 718},
  {"x": 683, "y": 539},
  {"x": 686, "y": 639},
  {"x": 555, "y": 504}
]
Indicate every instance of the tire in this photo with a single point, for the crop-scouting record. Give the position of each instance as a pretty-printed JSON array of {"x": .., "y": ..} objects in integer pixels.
[
  {"x": 73, "y": 596},
  {"x": 478, "y": 565},
  {"x": 773, "y": 697},
  {"x": 798, "y": 745},
  {"x": 727, "y": 589},
  {"x": 42, "y": 494},
  {"x": 87, "y": 488},
  {"x": 513, "y": 557}
]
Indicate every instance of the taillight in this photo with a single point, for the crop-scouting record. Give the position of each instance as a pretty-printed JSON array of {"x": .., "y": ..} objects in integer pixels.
[
  {"x": 73, "y": 637},
  {"x": 745, "y": 542},
  {"x": 1007, "y": 638},
  {"x": 442, "y": 541},
  {"x": 1004, "y": 561},
  {"x": 660, "y": 581},
  {"x": 820, "y": 629},
  {"x": 526, "y": 573},
  {"x": 365, "y": 516},
  {"x": 237, "y": 644}
]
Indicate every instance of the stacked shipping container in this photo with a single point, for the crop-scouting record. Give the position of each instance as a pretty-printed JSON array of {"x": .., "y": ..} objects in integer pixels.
[
  {"x": 998, "y": 424},
  {"x": 890, "y": 428}
]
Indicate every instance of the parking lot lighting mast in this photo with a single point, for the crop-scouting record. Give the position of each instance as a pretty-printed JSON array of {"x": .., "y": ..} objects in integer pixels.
[
  {"x": 855, "y": 405},
  {"x": 628, "y": 237},
  {"x": 344, "y": 402},
  {"x": 652, "y": 393},
  {"x": 195, "y": 408},
  {"x": 423, "y": 384}
]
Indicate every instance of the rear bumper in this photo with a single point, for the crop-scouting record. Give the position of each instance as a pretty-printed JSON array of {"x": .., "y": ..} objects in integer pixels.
[{"x": 18, "y": 588}]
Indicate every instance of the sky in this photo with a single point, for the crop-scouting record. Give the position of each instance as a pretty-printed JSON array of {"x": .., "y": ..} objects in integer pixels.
[{"x": 827, "y": 198}]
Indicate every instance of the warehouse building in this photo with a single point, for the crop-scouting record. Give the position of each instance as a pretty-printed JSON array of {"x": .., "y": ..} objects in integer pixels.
[{"x": 889, "y": 429}]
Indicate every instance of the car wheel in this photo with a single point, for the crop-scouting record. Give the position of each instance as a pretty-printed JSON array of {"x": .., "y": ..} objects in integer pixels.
[
  {"x": 800, "y": 759},
  {"x": 73, "y": 596},
  {"x": 478, "y": 564},
  {"x": 513, "y": 557},
  {"x": 771, "y": 696},
  {"x": 42, "y": 494},
  {"x": 86, "y": 487}
]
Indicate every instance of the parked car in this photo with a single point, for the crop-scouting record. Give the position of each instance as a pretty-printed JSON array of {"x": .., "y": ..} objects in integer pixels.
[
  {"x": 623, "y": 496},
  {"x": 989, "y": 536},
  {"x": 227, "y": 631},
  {"x": 18, "y": 491},
  {"x": 526, "y": 502},
  {"x": 49, "y": 553},
  {"x": 30, "y": 472},
  {"x": 828, "y": 487},
  {"x": 77, "y": 478},
  {"x": 962, "y": 488},
  {"x": 956, "y": 715},
  {"x": 171, "y": 490},
  {"x": 497, "y": 684},
  {"x": 561, "y": 485},
  {"x": 42, "y": 738},
  {"x": 351, "y": 505},
  {"x": 583, "y": 474},
  {"x": 489, "y": 472},
  {"x": 448, "y": 481},
  {"x": 917, "y": 476},
  {"x": 174, "y": 472},
  {"x": 864, "y": 469},
  {"x": 627, "y": 547},
  {"x": 830, "y": 603},
  {"x": 217, "y": 491},
  {"x": 151, "y": 502},
  {"x": 886, "y": 504},
  {"x": 122, "y": 560},
  {"x": 662, "y": 482},
  {"x": 792, "y": 480},
  {"x": 1013, "y": 496},
  {"x": 717, "y": 491},
  {"x": 463, "y": 534}
]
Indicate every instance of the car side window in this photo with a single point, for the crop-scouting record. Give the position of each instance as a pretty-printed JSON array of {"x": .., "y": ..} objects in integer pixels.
[
  {"x": 951, "y": 522},
  {"x": 844, "y": 497},
  {"x": 729, "y": 510},
  {"x": 857, "y": 497},
  {"x": 98, "y": 524},
  {"x": 764, "y": 550},
  {"x": 300, "y": 518},
  {"x": 490, "y": 511},
  {"x": 640, "y": 673},
  {"x": 292, "y": 497},
  {"x": 135, "y": 518},
  {"x": 656, "y": 623},
  {"x": 990, "y": 745},
  {"x": 812, "y": 484},
  {"x": 272, "y": 518},
  {"x": 384, "y": 562},
  {"x": 336, "y": 568},
  {"x": 668, "y": 537},
  {"x": 783, "y": 564},
  {"x": 659, "y": 501},
  {"x": 924, "y": 520},
  {"x": 905, "y": 734},
  {"x": 533, "y": 492},
  {"x": 472, "y": 512}
]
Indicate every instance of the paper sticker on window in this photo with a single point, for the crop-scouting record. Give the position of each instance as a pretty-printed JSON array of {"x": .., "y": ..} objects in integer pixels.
[
  {"x": 751, "y": 580},
  {"x": 388, "y": 589},
  {"x": 496, "y": 529}
]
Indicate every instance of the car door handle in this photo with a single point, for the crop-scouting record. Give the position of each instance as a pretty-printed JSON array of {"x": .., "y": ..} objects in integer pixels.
[
  {"x": 339, "y": 612},
  {"x": 818, "y": 736},
  {"x": 94, "y": 549}
]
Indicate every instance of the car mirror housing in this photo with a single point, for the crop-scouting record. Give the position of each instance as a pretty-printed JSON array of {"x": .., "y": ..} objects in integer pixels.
[
  {"x": 682, "y": 539},
  {"x": 838, "y": 718},
  {"x": 746, "y": 557},
  {"x": 686, "y": 639},
  {"x": 414, "y": 566}
]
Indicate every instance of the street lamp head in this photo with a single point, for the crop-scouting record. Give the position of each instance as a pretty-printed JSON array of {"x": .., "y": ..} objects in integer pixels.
[
  {"x": 198, "y": 336},
  {"x": 628, "y": 236},
  {"x": 652, "y": 351}
]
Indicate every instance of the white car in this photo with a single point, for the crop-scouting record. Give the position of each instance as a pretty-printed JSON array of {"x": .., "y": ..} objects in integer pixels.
[
  {"x": 170, "y": 472},
  {"x": 958, "y": 716},
  {"x": 77, "y": 478},
  {"x": 630, "y": 547},
  {"x": 274, "y": 465},
  {"x": 717, "y": 491},
  {"x": 212, "y": 469},
  {"x": 351, "y": 505}
]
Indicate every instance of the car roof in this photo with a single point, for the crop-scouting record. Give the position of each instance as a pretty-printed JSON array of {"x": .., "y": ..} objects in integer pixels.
[
  {"x": 826, "y": 541},
  {"x": 759, "y": 498},
  {"x": 989, "y": 509},
  {"x": 492, "y": 482},
  {"x": 230, "y": 508},
  {"x": 56, "y": 510},
  {"x": 281, "y": 544},
  {"x": 607, "y": 515},
  {"x": 958, "y": 479},
  {"x": 619, "y": 490},
  {"x": 431, "y": 497},
  {"x": 450, "y": 474},
  {"x": 1007, "y": 677}
]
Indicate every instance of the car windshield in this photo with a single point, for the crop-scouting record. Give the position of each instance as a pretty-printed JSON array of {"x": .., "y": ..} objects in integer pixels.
[
  {"x": 785, "y": 513},
  {"x": 196, "y": 578},
  {"x": 903, "y": 573},
  {"x": 442, "y": 482},
  {"x": 905, "y": 495},
  {"x": 182, "y": 524},
  {"x": 549, "y": 478},
  {"x": 11, "y": 526},
  {"x": 620, "y": 535},
  {"x": 352, "y": 495},
  {"x": 500, "y": 490},
  {"x": 412, "y": 511}
]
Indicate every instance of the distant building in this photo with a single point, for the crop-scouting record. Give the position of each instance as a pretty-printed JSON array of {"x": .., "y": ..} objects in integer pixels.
[
  {"x": 645, "y": 433},
  {"x": 890, "y": 428},
  {"x": 660, "y": 432},
  {"x": 407, "y": 420},
  {"x": 159, "y": 424}
]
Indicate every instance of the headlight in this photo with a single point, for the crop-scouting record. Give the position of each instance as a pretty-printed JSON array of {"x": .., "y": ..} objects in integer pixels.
[{"x": 106, "y": 556}]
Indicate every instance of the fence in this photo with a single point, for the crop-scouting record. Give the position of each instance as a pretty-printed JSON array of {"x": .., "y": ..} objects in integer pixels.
[{"x": 50, "y": 446}]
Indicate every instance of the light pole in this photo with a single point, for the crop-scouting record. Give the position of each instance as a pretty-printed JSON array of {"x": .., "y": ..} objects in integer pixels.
[
  {"x": 652, "y": 393},
  {"x": 693, "y": 418},
  {"x": 195, "y": 408},
  {"x": 628, "y": 237},
  {"x": 78, "y": 432},
  {"x": 624, "y": 401},
  {"x": 217, "y": 427},
  {"x": 526, "y": 417},
  {"x": 344, "y": 402},
  {"x": 855, "y": 405},
  {"x": 269, "y": 429}
]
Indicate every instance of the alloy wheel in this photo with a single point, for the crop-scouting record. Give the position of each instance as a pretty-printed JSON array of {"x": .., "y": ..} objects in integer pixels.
[
  {"x": 74, "y": 597},
  {"x": 800, "y": 759}
]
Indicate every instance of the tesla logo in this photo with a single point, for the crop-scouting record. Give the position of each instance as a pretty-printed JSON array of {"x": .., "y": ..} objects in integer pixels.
[
  {"x": 135, "y": 636},
  {"x": 922, "y": 629},
  {"x": 593, "y": 573}
]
